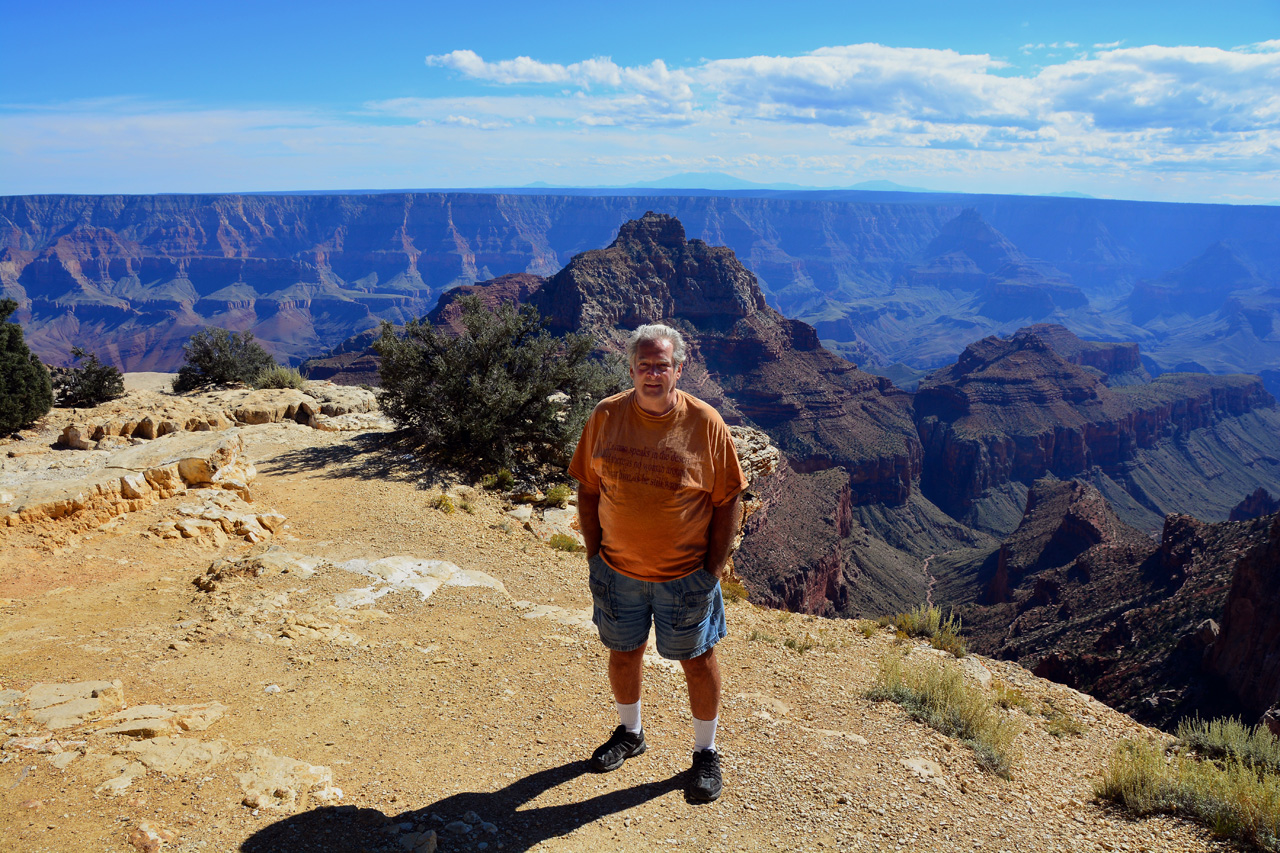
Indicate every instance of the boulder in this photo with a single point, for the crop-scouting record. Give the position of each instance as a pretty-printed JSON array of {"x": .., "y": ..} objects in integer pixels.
[
  {"x": 275, "y": 782},
  {"x": 64, "y": 706}
]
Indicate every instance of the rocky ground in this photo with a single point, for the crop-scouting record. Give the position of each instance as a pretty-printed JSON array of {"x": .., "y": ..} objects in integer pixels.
[{"x": 306, "y": 692}]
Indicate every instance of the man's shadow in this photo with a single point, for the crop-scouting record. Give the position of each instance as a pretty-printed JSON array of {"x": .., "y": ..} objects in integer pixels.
[{"x": 348, "y": 829}]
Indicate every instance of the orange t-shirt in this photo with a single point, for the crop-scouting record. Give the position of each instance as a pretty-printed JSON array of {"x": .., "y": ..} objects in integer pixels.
[{"x": 659, "y": 476}]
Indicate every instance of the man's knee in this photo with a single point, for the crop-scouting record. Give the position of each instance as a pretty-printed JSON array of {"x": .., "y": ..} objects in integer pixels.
[{"x": 704, "y": 664}]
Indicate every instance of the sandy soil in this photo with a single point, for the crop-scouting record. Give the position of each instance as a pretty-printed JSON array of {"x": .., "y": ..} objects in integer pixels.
[{"x": 459, "y": 715}]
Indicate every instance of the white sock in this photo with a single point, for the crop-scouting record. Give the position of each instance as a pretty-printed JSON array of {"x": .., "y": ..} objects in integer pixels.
[
  {"x": 704, "y": 733},
  {"x": 629, "y": 716}
]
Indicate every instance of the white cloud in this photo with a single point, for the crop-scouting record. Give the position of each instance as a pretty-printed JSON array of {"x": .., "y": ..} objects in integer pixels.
[{"x": 1109, "y": 117}]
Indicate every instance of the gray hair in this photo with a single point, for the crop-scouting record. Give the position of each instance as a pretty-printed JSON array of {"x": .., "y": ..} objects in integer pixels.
[{"x": 652, "y": 333}]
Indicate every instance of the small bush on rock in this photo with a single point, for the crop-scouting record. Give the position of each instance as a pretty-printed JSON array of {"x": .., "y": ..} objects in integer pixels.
[
  {"x": 26, "y": 391},
  {"x": 279, "y": 376},
  {"x": 504, "y": 392},
  {"x": 503, "y": 481},
  {"x": 558, "y": 495},
  {"x": 564, "y": 542},
  {"x": 220, "y": 357},
  {"x": 90, "y": 383}
]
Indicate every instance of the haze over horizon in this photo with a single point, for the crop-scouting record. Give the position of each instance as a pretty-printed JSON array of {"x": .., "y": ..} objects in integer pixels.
[{"x": 1140, "y": 101}]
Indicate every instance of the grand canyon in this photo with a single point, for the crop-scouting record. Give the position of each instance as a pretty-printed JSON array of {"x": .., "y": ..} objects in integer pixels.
[{"x": 1053, "y": 417}]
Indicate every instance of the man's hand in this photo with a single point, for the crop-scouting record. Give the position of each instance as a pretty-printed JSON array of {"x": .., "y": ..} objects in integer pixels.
[{"x": 724, "y": 526}]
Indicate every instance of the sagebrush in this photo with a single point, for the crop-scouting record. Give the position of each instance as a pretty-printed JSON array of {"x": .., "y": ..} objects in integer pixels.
[
  {"x": 1230, "y": 797},
  {"x": 1230, "y": 738},
  {"x": 927, "y": 621},
  {"x": 279, "y": 376},
  {"x": 936, "y": 694}
]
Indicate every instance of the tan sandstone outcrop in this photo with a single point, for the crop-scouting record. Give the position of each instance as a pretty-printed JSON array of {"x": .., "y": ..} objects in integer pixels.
[
  {"x": 133, "y": 478},
  {"x": 150, "y": 415}
]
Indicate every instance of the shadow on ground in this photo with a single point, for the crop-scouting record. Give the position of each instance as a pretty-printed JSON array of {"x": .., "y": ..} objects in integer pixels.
[
  {"x": 348, "y": 829},
  {"x": 365, "y": 456}
]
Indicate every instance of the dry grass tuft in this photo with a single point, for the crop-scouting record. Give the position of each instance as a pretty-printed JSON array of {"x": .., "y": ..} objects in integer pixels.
[
  {"x": 938, "y": 695},
  {"x": 927, "y": 621},
  {"x": 565, "y": 542},
  {"x": 1230, "y": 797},
  {"x": 1230, "y": 738}
]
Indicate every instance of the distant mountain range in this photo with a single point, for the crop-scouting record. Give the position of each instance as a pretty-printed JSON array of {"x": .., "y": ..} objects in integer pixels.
[{"x": 886, "y": 277}]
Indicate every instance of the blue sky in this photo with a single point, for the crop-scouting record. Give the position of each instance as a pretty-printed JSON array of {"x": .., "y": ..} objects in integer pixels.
[{"x": 1172, "y": 101}]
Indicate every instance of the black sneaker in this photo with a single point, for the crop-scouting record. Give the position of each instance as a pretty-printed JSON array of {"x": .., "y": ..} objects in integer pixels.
[
  {"x": 620, "y": 746},
  {"x": 704, "y": 779}
]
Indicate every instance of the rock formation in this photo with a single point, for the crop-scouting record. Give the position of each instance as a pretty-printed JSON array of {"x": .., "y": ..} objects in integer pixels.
[
  {"x": 1256, "y": 505},
  {"x": 1076, "y": 595},
  {"x": 131, "y": 278},
  {"x": 1010, "y": 411},
  {"x": 1246, "y": 655}
]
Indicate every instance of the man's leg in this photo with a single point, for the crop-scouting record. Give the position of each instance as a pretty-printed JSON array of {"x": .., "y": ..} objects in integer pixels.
[
  {"x": 623, "y": 617},
  {"x": 626, "y": 673},
  {"x": 703, "y": 677}
]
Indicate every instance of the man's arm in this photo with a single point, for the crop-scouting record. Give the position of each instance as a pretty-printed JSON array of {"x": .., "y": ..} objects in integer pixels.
[
  {"x": 589, "y": 519},
  {"x": 724, "y": 525}
]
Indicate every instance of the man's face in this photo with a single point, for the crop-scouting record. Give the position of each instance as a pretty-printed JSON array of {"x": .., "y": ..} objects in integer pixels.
[{"x": 655, "y": 373}]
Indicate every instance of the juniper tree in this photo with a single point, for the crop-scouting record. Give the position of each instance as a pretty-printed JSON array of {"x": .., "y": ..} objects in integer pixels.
[
  {"x": 502, "y": 393},
  {"x": 90, "y": 382},
  {"x": 219, "y": 357},
  {"x": 26, "y": 390}
]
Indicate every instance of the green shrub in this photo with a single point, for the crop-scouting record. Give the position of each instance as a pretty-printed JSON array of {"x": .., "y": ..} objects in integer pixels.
[
  {"x": 1231, "y": 798},
  {"x": 558, "y": 495},
  {"x": 26, "y": 390},
  {"x": 937, "y": 694},
  {"x": 219, "y": 357},
  {"x": 444, "y": 503},
  {"x": 89, "y": 383},
  {"x": 467, "y": 507},
  {"x": 503, "y": 481},
  {"x": 927, "y": 621},
  {"x": 495, "y": 395},
  {"x": 279, "y": 376},
  {"x": 762, "y": 637},
  {"x": 565, "y": 542}
]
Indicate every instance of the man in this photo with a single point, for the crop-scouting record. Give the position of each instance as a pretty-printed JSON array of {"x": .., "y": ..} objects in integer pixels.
[{"x": 659, "y": 499}]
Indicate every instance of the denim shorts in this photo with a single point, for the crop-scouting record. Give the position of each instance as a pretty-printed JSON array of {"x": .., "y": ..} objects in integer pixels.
[{"x": 687, "y": 613}]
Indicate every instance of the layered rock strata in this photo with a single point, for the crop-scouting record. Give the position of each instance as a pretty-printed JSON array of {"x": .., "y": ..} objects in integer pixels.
[
  {"x": 1078, "y": 596},
  {"x": 1014, "y": 410}
]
